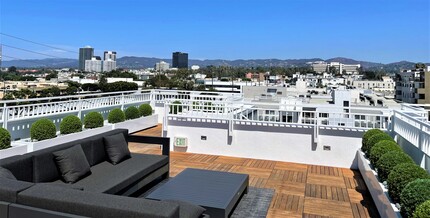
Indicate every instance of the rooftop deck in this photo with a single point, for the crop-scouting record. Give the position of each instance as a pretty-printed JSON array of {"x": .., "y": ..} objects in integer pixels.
[{"x": 300, "y": 190}]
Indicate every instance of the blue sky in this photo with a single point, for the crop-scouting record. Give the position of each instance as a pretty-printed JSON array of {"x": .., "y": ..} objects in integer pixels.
[{"x": 374, "y": 30}]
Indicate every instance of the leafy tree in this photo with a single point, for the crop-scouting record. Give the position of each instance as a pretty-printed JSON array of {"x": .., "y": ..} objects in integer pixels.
[
  {"x": 420, "y": 66},
  {"x": 90, "y": 87},
  {"x": 51, "y": 76},
  {"x": 11, "y": 69}
]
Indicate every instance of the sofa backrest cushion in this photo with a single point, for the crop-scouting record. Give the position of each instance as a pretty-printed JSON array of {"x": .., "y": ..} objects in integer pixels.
[
  {"x": 10, "y": 188},
  {"x": 98, "y": 147},
  {"x": 21, "y": 166},
  {"x": 44, "y": 167},
  {"x": 72, "y": 163},
  {"x": 94, "y": 204},
  {"x": 116, "y": 148}
]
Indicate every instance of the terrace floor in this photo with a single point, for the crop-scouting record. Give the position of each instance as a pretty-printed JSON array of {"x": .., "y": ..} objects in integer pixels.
[{"x": 300, "y": 190}]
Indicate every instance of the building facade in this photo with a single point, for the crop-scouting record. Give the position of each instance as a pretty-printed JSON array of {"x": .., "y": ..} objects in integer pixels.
[
  {"x": 85, "y": 54},
  {"x": 109, "y": 65},
  {"x": 386, "y": 84},
  {"x": 162, "y": 66},
  {"x": 109, "y": 55},
  {"x": 413, "y": 86},
  {"x": 179, "y": 60},
  {"x": 94, "y": 64}
]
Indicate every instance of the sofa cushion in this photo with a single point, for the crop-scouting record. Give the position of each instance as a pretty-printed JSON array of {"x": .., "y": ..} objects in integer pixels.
[
  {"x": 21, "y": 166},
  {"x": 98, "y": 147},
  {"x": 44, "y": 166},
  {"x": 5, "y": 173},
  {"x": 94, "y": 204},
  {"x": 72, "y": 163},
  {"x": 187, "y": 209},
  {"x": 108, "y": 178},
  {"x": 116, "y": 148},
  {"x": 10, "y": 188}
]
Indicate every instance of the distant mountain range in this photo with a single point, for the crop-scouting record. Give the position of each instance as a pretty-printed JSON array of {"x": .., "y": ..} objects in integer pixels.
[{"x": 145, "y": 62}]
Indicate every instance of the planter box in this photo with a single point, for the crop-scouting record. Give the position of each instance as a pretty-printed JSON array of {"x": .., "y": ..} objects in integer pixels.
[
  {"x": 138, "y": 124},
  {"x": 34, "y": 146},
  {"x": 16, "y": 149},
  {"x": 377, "y": 190}
]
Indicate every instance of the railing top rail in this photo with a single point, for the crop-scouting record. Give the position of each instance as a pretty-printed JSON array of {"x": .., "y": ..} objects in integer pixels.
[{"x": 73, "y": 96}]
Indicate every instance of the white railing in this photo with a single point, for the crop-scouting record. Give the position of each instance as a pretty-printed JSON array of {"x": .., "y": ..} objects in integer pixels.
[
  {"x": 253, "y": 112},
  {"x": 414, "y": 130}
]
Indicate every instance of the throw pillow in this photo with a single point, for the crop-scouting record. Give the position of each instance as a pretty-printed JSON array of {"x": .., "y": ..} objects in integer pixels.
[
  {"x": 188, "y": 209},
  {"x": 72, "y": 163},
  {"x": 5, "y": 173},
  {"x": 116, "y": 148}
]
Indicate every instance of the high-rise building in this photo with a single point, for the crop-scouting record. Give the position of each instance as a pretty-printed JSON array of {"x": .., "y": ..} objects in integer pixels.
[
  {"x": 179, "y": 60},
  {"x": 94, "y": 64},
  {"x": 85, "y": 54},
  {"x": 110, "y": 55},
  {"x": 109, "y": 65},
  {"x": 161, "y": 66}
]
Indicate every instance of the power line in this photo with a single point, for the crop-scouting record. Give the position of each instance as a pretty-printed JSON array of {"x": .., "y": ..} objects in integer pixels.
[
  {"x": 35, "y": 52},
  {"x": 37, "y": 43}
]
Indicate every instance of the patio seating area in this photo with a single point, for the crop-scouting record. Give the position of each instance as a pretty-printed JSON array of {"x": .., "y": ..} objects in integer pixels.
[{"x": 300, "y": 190}]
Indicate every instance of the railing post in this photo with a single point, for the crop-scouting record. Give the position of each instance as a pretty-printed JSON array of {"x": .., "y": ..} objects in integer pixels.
[
  {"x": 80, "y": 108},
  {"x": 122, "y": 101},
  {"x": 5, "y": 115}
]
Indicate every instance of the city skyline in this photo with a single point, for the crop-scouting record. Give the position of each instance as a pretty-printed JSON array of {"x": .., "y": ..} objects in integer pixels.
[{"x": 382, "y": 31}]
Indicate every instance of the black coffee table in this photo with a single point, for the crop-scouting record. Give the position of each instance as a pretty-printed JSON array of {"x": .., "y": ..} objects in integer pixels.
[{"x": 218, "y": 192}]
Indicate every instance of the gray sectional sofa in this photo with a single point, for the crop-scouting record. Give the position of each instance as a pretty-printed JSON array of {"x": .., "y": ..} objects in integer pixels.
[{"x": 39, "y": 190}]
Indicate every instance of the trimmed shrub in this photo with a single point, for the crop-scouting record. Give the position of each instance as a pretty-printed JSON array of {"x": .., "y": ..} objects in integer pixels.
[
  {"x": 93, "y": 120},
  {"x": 381, "y": 148},
  {"x": 116, "y": 115},
  {"x": 131, "y": 113},
  {"x": 414, "y": 194},
  {"x": 43, "y": 129},
  {"x": 375, "y": 139},
  {"x": 176, "y": 107},
  {"x": 401, "y": 175},
  {"x": 70, "y": 124},
  {"x": 389, "y": 160},
  {"x": 423, "y": 211},
  {"x": 369, "y": 133},
  {"x": 4, "y": 138},
  {"x": 145, "y": 110}
]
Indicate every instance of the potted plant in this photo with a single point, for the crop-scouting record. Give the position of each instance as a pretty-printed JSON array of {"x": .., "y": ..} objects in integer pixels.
[
  {"x": 6, "y": 150},
  {"x": 137, "y": 118}
]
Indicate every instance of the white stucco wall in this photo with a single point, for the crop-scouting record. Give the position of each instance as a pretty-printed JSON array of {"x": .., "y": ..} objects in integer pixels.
[{"x": 289, "y": 144}]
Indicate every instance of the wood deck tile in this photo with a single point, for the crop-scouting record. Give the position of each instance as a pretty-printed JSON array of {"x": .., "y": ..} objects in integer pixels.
[{"x": 300, "y": 190}]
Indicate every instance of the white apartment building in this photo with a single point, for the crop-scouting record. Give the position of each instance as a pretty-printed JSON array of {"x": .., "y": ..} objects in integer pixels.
[
  {"x": 319, "y": 66},
  {"x": 162, "y": 66},
  {"x": 410, "y": 86},
  {"x": 110, "y": 55},
  {"x": 384, "y": 85},
  {"x": 94, "y": 65},
  {"x": 109, "y": 65}
]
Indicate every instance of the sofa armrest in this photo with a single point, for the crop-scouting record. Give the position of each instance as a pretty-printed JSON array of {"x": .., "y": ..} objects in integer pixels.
[{"x": 165, "y": 142}]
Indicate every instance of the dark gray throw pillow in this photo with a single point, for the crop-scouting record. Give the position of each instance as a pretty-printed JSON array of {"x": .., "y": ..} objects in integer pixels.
[
  {"x": 188, "y": 209},
  {"x": 116, "y": 148},
  {"x": 7, "y": 174},
  {"x": 72, "y": 163}
]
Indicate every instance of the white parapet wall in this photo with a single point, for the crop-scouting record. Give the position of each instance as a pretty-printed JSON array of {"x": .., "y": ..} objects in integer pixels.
[{"x": 294, "y": 143}]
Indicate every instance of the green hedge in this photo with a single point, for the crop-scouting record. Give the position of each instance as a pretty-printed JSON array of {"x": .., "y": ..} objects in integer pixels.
[
  {"x": 381, "y": 148},
  {"x": 131, "y": 113},
  {"x": 176, "y": 107},
  {"x": 145, "y": 110},
  {"x": 375, "y": 139},
  {"x": 423, "y": 210},
  {"x": 389, "y": 160},
  {"x": 4, "y": 138},
  {"x": 70, "y": 124},
  {"x": 401, "y": 175},
  {"x": 43, "y": 129},
  {"x": 414, "y": 194},
  {"x": 369, "y": 133},
  {"x": 93, "y": 120},
  {"x": 116, "y": 115}
]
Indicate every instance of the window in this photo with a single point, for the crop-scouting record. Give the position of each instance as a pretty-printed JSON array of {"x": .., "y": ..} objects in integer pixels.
[
  {"x": 325, "y": 115},
  {"x": 346, "y": 103}
]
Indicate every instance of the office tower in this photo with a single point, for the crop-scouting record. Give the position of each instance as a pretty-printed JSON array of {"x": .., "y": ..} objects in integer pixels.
[
  {"x": 110, "y": 55},
  {"x": 94, "y": 64},
  {"x": 85, "y": 54},
  {"x": 179, "y": 60}
]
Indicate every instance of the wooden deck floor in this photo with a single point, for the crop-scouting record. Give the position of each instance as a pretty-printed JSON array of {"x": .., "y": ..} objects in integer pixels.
[{"x": 300, "y": 190}]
